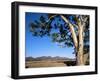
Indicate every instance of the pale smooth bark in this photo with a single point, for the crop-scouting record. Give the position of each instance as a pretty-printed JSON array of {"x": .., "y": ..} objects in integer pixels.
[
  {"x": 80, "y": 55},
  {"x": 72, "y": 31},
  {"x": 77, "y": 42}
]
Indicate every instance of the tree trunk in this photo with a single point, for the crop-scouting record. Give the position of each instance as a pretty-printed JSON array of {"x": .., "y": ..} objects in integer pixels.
[
  {"x": 72, "y": 31},
  {"x": 80, "y": 57},
  {"x": 77, "y": 42}
]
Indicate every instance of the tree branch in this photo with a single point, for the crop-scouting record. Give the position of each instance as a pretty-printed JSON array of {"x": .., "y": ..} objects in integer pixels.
[
  {"x": 75, "y": 25},
  {"x": 72, "y": 30},
  {"x": 85, "y": 20},
  {"x": 44, "y": 24},
  {"x": 51, "y": 17}
]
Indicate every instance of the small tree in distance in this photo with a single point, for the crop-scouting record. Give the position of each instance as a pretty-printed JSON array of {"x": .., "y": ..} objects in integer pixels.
[{"x": 66, "y": 30}]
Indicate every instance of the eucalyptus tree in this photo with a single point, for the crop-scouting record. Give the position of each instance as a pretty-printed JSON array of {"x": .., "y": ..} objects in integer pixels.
[{"x": 65, "y": 29}]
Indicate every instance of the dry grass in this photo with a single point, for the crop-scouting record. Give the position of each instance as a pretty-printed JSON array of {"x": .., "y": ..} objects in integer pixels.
[{"x": 46, "y": 63}]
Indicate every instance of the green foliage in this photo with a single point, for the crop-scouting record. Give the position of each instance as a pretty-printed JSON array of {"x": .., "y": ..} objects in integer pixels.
[
  {"x": 59, "y": 31},
  {"x": 42, "y": 19}
]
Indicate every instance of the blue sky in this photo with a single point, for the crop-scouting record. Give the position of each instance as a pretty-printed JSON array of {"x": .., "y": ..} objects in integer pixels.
[{"x": 37, "y": 46}]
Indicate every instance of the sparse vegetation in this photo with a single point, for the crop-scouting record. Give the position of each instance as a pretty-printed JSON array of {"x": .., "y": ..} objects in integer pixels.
[{"x": 48, "y": 61}]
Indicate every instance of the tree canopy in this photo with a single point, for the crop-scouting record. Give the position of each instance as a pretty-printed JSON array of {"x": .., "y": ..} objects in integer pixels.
[{"x": 54, "y": 26}]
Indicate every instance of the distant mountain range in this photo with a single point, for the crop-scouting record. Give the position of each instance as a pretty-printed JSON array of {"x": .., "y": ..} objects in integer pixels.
[{"x": 48, "y": 58}]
